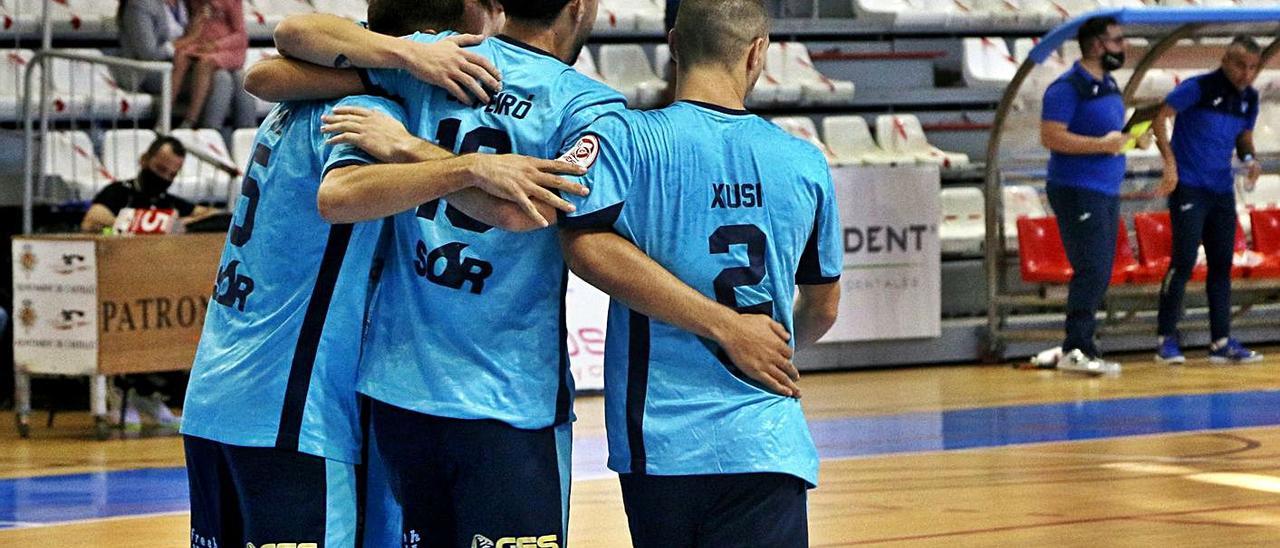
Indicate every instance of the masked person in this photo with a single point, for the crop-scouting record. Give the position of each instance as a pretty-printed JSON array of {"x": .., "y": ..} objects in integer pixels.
[
  {"x": 1081, "y": 126},
  {"x": 150, "y": 189}
]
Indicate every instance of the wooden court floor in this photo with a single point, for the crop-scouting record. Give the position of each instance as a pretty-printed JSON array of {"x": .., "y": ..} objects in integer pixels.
[{"x": 1188, "y": 486}]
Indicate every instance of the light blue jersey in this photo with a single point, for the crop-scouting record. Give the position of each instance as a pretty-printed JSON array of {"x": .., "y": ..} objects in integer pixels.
[
  {"x": 469, "y": 320},
  {"x": 742, "y": 212},
  {"x": 276, "y": 365}
]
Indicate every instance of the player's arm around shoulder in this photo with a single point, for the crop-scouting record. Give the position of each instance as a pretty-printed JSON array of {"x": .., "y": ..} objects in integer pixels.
[{"x": 321, "y": 49}]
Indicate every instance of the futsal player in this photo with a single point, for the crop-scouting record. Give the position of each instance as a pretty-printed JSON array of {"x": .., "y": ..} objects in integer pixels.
[
  {"x": 743, "y": 212},
  {"x": 466, "y": 359},
  {"x": 272, "y": 431},
  {"x": 1216, "y": 113}
]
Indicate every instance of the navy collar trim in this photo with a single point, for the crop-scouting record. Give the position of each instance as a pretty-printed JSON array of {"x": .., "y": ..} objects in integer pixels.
[
  {"x": 717, "y": 108},
  {"x": 525, "y": 46}
]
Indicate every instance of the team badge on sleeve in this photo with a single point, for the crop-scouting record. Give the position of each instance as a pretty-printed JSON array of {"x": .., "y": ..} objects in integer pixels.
[{"x": 584, "y": 152}]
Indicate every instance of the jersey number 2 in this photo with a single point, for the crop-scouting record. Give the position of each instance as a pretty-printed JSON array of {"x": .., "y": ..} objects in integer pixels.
[{"x": 731, "y": 278}]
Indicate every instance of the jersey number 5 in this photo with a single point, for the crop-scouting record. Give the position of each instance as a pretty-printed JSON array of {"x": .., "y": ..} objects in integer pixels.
[{"x": 243, "y": 231}]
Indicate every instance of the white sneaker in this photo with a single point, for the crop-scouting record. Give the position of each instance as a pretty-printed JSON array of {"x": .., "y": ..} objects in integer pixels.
[
  {"x": 1076, "y": 361},
  {"x": 155, "y": 409},
  {"x": 132, "y": 420}
]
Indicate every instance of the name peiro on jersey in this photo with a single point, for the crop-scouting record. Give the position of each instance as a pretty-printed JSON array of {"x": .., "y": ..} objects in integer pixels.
[
  {"x": 276, "y": 365},
  {"x": 740, "y": 211},
  {"x": 469, "y": 319}
]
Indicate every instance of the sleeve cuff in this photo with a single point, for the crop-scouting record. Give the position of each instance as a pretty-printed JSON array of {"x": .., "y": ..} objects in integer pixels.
[
  {"x": 816, "y": 280},
  {"x": 343, "y": 163},
  {"x": 369, "y": 85},
  {"x": 603, "y": 218}
]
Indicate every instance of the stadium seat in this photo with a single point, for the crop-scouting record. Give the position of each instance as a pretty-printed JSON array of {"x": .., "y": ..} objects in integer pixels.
[
  {"x": 586, "y": 64},
  {"x": 1266, "y": 195},
  {"x": 69, "y": 156},
  {"x": 928, "y": 13},
  {"x": 1019, "y": 201},
  {"x": 815, "y": 88},
  {"x": 1266, "y": 241},
  {"x": 17, "y": 20},
  {"x": 13, "y": 67},
  {"x": 987, "y": 63},
  {"x": 242, "y": 146},
  {"x": 880, "y": 12},
  {"x": 62, "y": 105},
  {"x": 963, "y": 225},
  {"x": 1041, "y": 257},
  {"x": 615, "y": 16},
  {"x": 262, "y": 16},
  {"x": 903, "y": 135},
  {"x": 850, "y": 142},
  {"x": 253, "y": 55},
  {"x": 773, "y": 88},
  {"x": 802, "y": 127},
  {"x": 122, "y": 149},
  {"x": 355, "y": 10},
  {"x": 662, "y": 62},
  {"x": 1155, "y": 244},
  {"x": 103, "y": 97},
  {"x": 199, "y": 181},
  {"x": 626, "y": 68}
]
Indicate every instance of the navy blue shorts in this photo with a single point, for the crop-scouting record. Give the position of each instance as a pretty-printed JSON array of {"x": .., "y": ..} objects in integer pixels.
[
  {"x": 479, "y": 483},
  {"x": 264, "y": 496},
  {"x": 760, "y": 509}
]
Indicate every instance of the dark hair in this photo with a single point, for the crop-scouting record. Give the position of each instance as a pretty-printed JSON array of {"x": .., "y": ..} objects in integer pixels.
[
  {"x": 1246, "y": 43},
  {"x": 174, "y": 144},
  {"x": 718, "y": 31},
  {"x": 1093, "y": 27},
  {"x": 403, "y": 17},
  {"x": 533, "y": 10}
]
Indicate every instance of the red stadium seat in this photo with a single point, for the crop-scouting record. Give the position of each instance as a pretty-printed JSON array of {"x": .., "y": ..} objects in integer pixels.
[
  {"x": 1042, "y": 259},
  {"x": 1127, "y": 266},
  {"x": 1041, "y": 256},
  {"x": 1155, "y": 244},
  {"x": 1266, "y": 241}
]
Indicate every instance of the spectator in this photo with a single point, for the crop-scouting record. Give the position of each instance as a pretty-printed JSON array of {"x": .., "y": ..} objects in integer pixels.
[
  {"x": 1080, "y": 125},
  {"x": 215, "y": 41},
  {"x": 160, "y": 165},
  {"x": 1216, "y": 113},
  {"x": 155, "y": 30}
]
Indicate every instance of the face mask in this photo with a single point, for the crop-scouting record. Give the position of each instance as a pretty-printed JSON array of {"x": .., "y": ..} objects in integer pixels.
[
  {"x": 1112, "y": 61},
  {"x": 151, "y": 183}
]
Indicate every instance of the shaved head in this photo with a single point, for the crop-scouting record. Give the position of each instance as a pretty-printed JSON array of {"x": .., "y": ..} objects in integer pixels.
[{"x": 718, "y": 31}]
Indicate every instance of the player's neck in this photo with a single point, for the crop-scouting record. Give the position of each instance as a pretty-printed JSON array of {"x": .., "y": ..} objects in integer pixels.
[
  {"x": 715, "y": 87},
  {"x": 547, "y": 38}
]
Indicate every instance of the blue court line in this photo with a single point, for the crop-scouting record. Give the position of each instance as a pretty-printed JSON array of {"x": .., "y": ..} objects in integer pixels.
[{"x": 54, "y": 499}]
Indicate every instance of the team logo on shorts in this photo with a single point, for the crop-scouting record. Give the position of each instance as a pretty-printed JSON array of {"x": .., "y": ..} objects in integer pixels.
[
  {"x": 544, "y": 541},
  {"x": 584, "y": 152},
  {"x": 479, "y": 541}
]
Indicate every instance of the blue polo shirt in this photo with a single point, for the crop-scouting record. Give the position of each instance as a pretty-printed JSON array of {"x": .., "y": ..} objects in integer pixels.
[
  {"x": 1092, "y": 108},
  {"x": 1212, "y": 114}
]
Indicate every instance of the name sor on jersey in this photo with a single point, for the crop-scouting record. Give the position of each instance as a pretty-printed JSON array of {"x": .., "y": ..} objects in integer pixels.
[
  {"x": 736, "y": 195},
  {"x": 456, "y": 271}
]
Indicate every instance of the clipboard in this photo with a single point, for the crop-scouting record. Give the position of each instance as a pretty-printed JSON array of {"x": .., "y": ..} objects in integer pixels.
[{"x": 1139, "y": 123}]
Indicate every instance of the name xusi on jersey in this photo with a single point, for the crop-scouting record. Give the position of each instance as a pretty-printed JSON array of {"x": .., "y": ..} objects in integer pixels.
[
  {"x": 469, "y": 319},
  {"x": 740, "y": 211},
  {"x": 276, "y": 364}
]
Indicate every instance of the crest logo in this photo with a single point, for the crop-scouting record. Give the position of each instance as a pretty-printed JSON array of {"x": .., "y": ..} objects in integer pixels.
[
  {"x": 28, "y": 260},
  {"x": 584, "y": 152},
  {"x": 27, "y": 316}
]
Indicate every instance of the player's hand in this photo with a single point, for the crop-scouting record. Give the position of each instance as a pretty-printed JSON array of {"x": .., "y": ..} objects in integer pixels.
[
  {"x": 523, "y": 180},
  {"x": 1251, "y": 176},
  {"x": 1113, "y": 142},
  {"x": 758, "y": 347},
  {"x": 1168, "y": 181},
  {"x": 464, "y": 74},
  {"x": 382, "y": 136}
]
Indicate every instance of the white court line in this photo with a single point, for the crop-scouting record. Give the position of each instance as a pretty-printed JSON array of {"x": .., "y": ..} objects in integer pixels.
[{"x": 31, "y": 525}]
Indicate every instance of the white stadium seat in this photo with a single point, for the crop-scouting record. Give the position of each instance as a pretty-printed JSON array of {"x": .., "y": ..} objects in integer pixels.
[
  {"x": 902, "y": 134},
  {"x": 355, "y": 10},
  {"x": 199, "y": 181},
  {"x": 69, "y": 155},
  {"x": 963, "y": 225},
  {"x": 815, "y": 88},
  {"x": 626, "y": 69},
  {"x": 13, "y": 68},
  {"x": 262, "y": 16},
  {"x": 586, "y": 64},
  {"x": 1019, "y": 201},
  {"x": 105, "y": 97},
  {"x": 774, "y": 88},
  {"x": 242, "y": 146},
  {"x": 802, "y": 127},
  {"x": 1266, "y": 195},
  {"x": 987, "y": 63},
  {"x": 17, "y": 20},
  {"x": 630, "y": 15},
  {"x": 122, "y": 151},
  {"x": 850, "y": 142},
  {"x": 926, "y": 13}
]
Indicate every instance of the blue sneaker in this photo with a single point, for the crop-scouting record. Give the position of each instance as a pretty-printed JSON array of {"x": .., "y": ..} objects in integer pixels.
[
  {"x": 1170, "y": 351},
  {"x": 1233, "y": 352}
]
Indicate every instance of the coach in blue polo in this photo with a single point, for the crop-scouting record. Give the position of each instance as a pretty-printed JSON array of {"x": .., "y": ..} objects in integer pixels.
[
  {"x": 1081, "y": 124},
  {"x": 1216, "y": 113}
]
